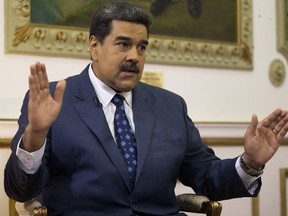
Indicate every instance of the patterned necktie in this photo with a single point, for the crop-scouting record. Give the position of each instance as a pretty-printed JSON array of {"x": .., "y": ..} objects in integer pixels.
[{"x": 124, "y": 137}]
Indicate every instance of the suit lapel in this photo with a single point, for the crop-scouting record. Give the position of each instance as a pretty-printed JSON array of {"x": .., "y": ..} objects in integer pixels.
[
  {"x": 144, "y": 119},
  {"x": 94, "y": 118}
]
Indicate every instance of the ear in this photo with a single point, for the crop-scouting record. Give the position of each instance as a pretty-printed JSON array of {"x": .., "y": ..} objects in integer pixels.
[{"x": 94, "y": 44}]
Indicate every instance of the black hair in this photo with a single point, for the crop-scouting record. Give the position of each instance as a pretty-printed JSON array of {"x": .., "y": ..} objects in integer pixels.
[{"x": 116, "y": 10}]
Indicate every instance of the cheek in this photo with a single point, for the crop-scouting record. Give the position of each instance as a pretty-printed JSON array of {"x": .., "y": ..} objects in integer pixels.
[
  {"x": 141, "y": 65},
  {"x": 93, "y": 55},
  {"x": 110, "y": 62}
]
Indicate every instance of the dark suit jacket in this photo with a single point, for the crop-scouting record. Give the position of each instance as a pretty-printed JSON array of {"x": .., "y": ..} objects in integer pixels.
[{"x": 83, "y": 170}]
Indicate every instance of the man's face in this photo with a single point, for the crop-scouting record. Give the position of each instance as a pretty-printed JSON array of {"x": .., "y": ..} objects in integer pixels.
[{"x": 119, "y": 61}]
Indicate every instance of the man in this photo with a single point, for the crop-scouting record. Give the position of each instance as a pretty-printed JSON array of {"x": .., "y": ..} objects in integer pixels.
[{"x": 67, "y": 151}]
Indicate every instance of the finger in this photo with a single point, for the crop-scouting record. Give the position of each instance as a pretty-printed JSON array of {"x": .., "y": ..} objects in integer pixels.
[
  {"x": 34, "y": 70},
  {"x": 42, "y": 76},
  {"x": 33, "y": 82},
  {"x": 59, "y": 91},
  {"x": 284, "y": 113},
  {"x": 282, "y": 120},
  {"x": 272, "y": 120},
  {"x": 251, "y": 130},
  {"x": 45, "y": 77},
  {"x": 273, "y": 125},
  {"x": 281, "y": 128}
]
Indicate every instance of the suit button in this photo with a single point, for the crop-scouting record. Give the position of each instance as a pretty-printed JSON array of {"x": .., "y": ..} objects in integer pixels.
[{"x": 22, "y": 181}]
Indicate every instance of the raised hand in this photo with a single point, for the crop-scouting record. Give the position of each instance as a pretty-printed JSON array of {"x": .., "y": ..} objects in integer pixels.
[
  {"x": 43, "y": 108},
  {"x": 262, "y": 140}
]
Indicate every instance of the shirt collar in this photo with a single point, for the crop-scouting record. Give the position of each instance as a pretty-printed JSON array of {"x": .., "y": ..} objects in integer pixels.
[{"x": 104, "y": 92}]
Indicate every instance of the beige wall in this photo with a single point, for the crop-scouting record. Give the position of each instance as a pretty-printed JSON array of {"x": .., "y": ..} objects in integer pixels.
[{"x": 212, "y": 95}]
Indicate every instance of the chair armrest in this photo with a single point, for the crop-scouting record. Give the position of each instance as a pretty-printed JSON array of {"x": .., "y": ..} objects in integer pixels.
[
  {"x": 30, "y": 208},
  {"x": 199, "y": 204},
  {"x": 187, "y": 202}
]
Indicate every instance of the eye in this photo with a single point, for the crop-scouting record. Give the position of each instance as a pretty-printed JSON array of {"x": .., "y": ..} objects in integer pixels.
[
  {"x": 142, "y": 48},
  {"x": 123, "y": 45}
]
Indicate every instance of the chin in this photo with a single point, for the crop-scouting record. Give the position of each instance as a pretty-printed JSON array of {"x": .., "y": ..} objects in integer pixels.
[
  {"x": 126, "y": 89},
  {"x": 127, "y": 86}
]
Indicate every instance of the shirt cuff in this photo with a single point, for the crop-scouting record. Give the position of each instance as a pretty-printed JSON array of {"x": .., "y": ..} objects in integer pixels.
[
  {"x": 30, "y": 161},
  {"x": 250, "y": 182}
]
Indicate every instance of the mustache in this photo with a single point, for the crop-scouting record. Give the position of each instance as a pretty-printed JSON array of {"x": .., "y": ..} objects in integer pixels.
[{"x": 130, "y": 66}]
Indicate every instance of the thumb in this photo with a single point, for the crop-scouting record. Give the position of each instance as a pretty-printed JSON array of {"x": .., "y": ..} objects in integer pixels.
[
  {"x": 251, "y": 130},
  {"x": 59, "y": 91}
]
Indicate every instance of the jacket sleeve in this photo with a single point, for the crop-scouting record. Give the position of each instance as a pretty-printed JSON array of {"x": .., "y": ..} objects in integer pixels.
[
  {"x": 207, "y": 174},
  {"x": 19, "y": 185}
]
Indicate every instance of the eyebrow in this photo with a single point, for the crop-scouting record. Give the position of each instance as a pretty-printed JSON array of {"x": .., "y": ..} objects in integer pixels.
[{"x": 129, "y": 39}]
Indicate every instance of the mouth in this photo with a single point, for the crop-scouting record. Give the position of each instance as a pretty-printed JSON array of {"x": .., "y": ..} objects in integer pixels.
[{"x": 127, "y": 73}]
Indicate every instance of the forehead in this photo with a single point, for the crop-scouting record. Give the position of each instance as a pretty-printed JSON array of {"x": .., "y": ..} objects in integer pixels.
[{"x": 128, "y": 29}]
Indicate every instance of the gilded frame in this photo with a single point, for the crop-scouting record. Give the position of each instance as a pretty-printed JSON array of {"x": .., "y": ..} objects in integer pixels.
[
  {"x": 21, "y": 36},
  {"x": 282, "y": 27},
  {"x": 283, "y": 188}
]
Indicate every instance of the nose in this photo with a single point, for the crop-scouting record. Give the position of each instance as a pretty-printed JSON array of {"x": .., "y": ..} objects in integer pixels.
[{"x": 133, "y": 55}]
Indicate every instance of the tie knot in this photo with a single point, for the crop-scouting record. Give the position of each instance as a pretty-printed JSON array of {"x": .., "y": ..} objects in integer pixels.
[{"x": 117, "y": 100}]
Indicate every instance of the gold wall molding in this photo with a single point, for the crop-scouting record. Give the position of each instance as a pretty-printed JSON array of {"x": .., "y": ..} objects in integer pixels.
[
  {"x": 21, "y": 36},
  {"x": 12, "y": 209},
  {"x": 255, "y": 206},
  {"x": 226, "y": 128},
  {"x": 211, "y": 141},
  {"x": 282, "y": 30},
  {"x": 5, "y": 142},
  {"x": 283, "y": 189},
  {"x": 277, "y": 73}
]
